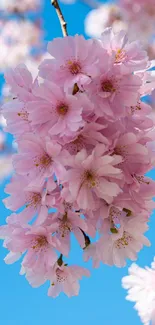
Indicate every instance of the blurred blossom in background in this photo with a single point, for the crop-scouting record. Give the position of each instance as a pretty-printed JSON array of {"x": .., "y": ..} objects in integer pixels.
[{"x": 21, "y": 41}]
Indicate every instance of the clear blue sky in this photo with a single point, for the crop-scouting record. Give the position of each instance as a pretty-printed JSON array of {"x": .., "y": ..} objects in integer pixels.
[{"x": 101, "y": 299}]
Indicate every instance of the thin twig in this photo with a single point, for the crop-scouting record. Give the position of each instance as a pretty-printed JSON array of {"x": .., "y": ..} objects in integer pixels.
[{"x": 60, "y": 16}]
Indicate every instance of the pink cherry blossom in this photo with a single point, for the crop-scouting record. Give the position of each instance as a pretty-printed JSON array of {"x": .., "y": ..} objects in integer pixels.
[
  {"x": 130, "y": 55},
  {"x": 92, "y": 251},
  {"x": 35, "y": 199},
  {"x": 88, "y": 177},
  {"x": 36, "y": 241},
  {"x": 21, "y": 82},
  {"x": 67, "y": 223},
  {"x": 40, "y": 158},
  {"x": 87, "y": 137},
  {"x": 65, "y": 278},
  {"x": 78, "y": 64},
  {"x": 125, "y": 242},
  {"x": 58, "y": 112},
  {"x": 18, "y": 121},
  {"x": 113, "y": 92}
]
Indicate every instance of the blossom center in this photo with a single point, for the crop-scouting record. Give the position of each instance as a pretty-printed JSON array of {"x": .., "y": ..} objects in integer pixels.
[
  {"x": 23, "y": 115},
  {"x": 136, "y": 108},
  {"x": 43, "y": 161},
  {"x": 107, "y": 86},
  {"x": 141, "y": 179},
  {"x": 62, "y": 109},
  {"x": 90, "y": 178},
  {"x": 39, "y": 242},
  {"x": 34, "y": 199},
  {"x": 124, "y": 241},
  {"x": 121, "y": 150},
  {"x": 74, "y": 67},
  {"x": 61, "y": 276},
  {"x": 120, "y": 56}
]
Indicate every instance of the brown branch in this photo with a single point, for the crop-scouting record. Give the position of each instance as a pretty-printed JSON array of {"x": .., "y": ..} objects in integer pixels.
[{"x": 60, "y": 16}]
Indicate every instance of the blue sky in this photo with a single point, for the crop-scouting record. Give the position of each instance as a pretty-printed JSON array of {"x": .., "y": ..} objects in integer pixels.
[{"x": 101, "y": 299}]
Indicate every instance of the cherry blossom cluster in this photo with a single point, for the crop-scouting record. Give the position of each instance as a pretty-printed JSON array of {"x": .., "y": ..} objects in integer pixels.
[
  {"x": 137, "y": 17},
  {"x": 140, "y": 284},
  {"x": 85, "y": 142},
  {"x": 19, "y": 6}
]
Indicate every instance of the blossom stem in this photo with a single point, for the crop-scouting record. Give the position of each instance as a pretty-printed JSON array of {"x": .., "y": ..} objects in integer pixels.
[
  {"x": 87, "y": 239},
  {"x": 60, "y": 260},
  {"x": 63, "y": 23}
]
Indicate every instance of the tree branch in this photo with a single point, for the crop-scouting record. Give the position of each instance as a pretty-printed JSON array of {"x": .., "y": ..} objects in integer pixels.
[{"x": 60, "y": 16}]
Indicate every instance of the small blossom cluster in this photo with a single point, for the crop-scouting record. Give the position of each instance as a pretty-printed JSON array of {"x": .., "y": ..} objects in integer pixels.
[
  {"x": 140, "y": 284},
  {"x": 85, "y": 142},
  {"x": 19, "y": 6}
]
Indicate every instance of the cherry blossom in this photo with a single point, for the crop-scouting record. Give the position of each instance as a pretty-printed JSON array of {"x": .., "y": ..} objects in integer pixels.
[
  {"x": 123, "y": 242},
  {"x": 85, "y": 141},
  {"x": 58, "y": 112},
  {"x": 130, "y": 55},
  {"x": 37, "y": 242},
  {"x": 65, "y": 278},
  {"x": 77, "y": 65},
  {"x": 40, "y": 158}
]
